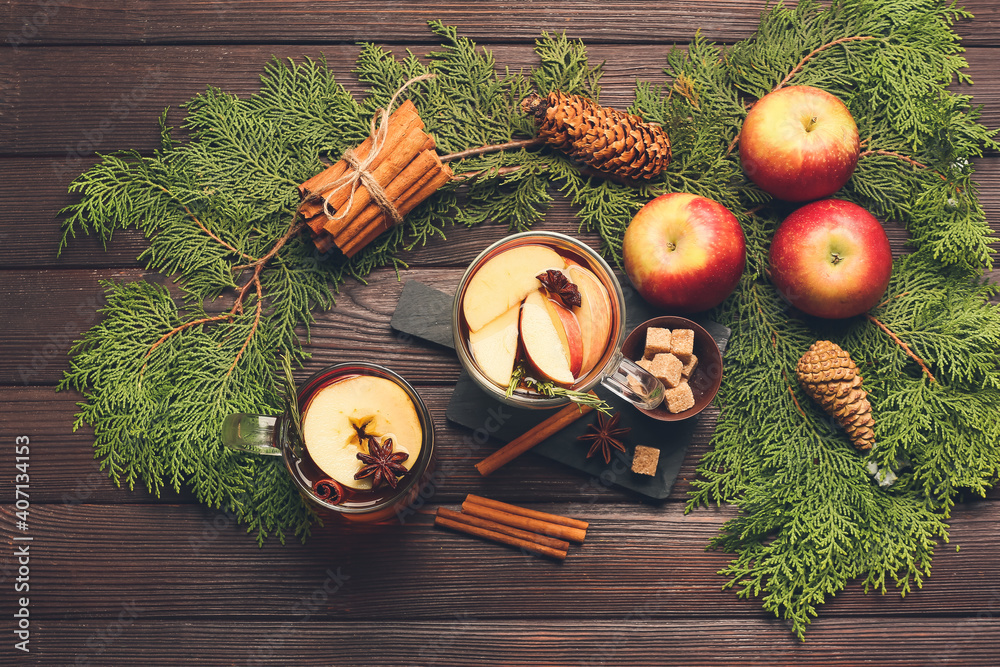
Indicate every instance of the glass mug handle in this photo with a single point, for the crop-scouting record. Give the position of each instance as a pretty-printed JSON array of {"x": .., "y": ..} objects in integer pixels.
[
  {"x": 250, "y": 433},
  {"x": 633, "y": 383}
]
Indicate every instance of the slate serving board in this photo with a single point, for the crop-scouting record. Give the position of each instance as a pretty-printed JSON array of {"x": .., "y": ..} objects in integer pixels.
[{"x": 425, "y": 312}]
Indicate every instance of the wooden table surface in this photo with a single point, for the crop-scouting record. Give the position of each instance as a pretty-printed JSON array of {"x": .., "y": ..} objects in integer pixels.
[{"x": 122, "y": 577}]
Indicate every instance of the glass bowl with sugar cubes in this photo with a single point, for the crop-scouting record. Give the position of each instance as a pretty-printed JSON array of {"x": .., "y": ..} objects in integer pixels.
[{"x": 683, "y": 357}]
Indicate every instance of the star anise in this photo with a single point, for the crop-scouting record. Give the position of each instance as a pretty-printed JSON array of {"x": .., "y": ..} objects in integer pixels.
[
  {"x": 360, "y": 427},
  {"x": 606, "y": 435},
  {"x": 556, "y": 282},
  {"x": 381, "y": 463}
]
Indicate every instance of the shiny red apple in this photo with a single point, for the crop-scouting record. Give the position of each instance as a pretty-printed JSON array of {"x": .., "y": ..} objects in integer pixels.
[
  {"x": 684, "y": 253},
  {"x": 831, "y": 258},
  {"x": 799, "y": 144}
]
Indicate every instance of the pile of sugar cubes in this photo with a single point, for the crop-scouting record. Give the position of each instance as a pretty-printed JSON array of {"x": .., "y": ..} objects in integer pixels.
[{"x": 670, "y": 357}]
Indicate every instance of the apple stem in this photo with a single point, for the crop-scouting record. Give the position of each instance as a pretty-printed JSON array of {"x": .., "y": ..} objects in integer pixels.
[{"x": 836, "y": 258}]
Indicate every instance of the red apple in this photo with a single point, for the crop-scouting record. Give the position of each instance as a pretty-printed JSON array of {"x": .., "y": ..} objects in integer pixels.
[
  {"x": 831, "y": 258},
  {"x": 684, "y": 253},
  {"x": 570, "y": 334},
  {"x": 504, "y": 280},
  {"x": 594, "y": 313},
  {"x": 799, "y": 143},
  {"x": 547, "y": 344}
]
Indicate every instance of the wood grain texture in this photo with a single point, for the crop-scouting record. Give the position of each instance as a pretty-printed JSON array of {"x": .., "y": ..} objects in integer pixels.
[
  {"x": 65, "y": 472},
  {"x": 119, "y": 577},
  {"x": 117, "y": 106},
  {"x": 187, "y": 562},
  {"x": 231, "y": 21},
  {"x": 636, "y": 638}
]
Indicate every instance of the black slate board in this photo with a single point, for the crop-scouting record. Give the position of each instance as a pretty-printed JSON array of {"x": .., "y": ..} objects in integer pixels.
[{"x": 425, "y": 312}]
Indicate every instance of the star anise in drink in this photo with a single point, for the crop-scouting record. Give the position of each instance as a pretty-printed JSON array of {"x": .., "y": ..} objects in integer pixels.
[
  {"x": 555, "y": 282},
  {"x": 606, "y": 436},
  {"x": 381, "y": 463}
]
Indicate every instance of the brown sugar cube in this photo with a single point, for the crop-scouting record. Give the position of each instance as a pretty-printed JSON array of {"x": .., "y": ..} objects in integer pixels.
[
  {"x": 679, "y": 398},
  {"x": 657, "y": 341},
  {"x": 667, "y": 369},
  {"x": 644, "y": 364},
  {"x": 682, "y": 343},
  {"x": 689, "y": 366},
  {"x": 645, "y": 459}
]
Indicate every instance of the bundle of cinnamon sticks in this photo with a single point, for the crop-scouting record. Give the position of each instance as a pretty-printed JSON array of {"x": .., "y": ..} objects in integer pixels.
[
  {"x": 406, "y": 168},
  {"x": 528, "y": 529}
]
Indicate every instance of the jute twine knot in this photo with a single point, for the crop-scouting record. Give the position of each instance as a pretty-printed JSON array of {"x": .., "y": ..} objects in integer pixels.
[{"x": 360, "y": 173}]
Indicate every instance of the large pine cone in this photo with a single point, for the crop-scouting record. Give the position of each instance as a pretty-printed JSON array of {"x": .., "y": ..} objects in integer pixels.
[
  {"x": 830, "y": 377},
  {"x": 608, "y": 140}
]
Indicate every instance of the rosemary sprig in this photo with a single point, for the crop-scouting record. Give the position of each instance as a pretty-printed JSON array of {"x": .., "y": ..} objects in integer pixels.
[
  {"x": 579, "y": 397},
  {"x": 291, "y": 395},
  {"x": 515, "y": 379}
]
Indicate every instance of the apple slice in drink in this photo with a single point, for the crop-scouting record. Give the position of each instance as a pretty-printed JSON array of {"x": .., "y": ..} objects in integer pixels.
[
  {"x": 570, "y": 334},
  {"x": 594, "y": 314},
  {"x": 504, "y": 281},
  {"x": 494, "y": 346},
  {"x": 545, "y": 340}
]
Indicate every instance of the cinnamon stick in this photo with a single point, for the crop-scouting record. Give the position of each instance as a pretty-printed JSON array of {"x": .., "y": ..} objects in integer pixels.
[
  {"x": 501, "y": 528},
  {"x": 380, "y": 225},
  {"x": 422, "y": 167},
  {"x": 559, "y": 531},
  {"x": 389, "y": 171},
  {"x": 383, "y": 170},
  {"x": 524, "y": 511},
  {"x": 500, "y": 537},
  {"x": 532, "y": 437},
  {"x": 402, "y": 123}
]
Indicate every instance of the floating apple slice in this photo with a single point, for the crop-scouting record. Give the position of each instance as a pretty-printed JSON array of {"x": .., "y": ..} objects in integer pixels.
[
  {"x": 594, "y": 314},
  {"x": 570, "y": 334},
  {"x": 504, "y": 281},
  {"x": 494, "y": 346},
  {"x": 542, "y": 341},
  {"x": 330, "y": 421}
]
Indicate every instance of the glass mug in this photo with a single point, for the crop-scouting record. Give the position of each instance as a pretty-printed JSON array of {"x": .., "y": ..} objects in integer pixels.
[
  {"x": 269, "y": 435},
  {"x": 612, "y": 369}
]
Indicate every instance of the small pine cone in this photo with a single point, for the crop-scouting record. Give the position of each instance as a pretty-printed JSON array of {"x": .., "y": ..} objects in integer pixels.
[
  {"x": 608, "y": 140},
  {"x": 830, "y": 377}
]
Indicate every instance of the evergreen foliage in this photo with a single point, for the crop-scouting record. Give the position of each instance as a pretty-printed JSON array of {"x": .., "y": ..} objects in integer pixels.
[{"x": 810, "y": 520}]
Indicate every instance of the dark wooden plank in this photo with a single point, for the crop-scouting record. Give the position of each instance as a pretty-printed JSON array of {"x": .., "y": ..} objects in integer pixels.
[
  {"x": 65, "y": 472},
  {"x": 141, "y": 21},
  {"x": 135, "y": 84},
  {"x": 186, "y": 562},
  {"x": 636, "y": 639},
  {"x": 34, "y": 205},
  {"x": 117, "y": 104},
  {"x": 136, "y": 21}
]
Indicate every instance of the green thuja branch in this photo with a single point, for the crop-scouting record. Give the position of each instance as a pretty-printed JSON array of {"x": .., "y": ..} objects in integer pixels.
[
  {"x": 810, "y": 521},
  {"x": 164, "y": 367}
]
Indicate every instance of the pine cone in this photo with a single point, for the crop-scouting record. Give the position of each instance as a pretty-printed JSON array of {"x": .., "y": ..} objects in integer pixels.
[
  {"x": 830, "y": 377},
  {"x": 608, "y": 140}
]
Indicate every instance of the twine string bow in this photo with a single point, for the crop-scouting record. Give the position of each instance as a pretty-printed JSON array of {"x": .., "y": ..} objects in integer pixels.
[{"x": 359, "y": 171}]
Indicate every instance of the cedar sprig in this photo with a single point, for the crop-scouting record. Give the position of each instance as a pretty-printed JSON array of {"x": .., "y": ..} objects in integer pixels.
[{"x": 810, "y": 521}]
